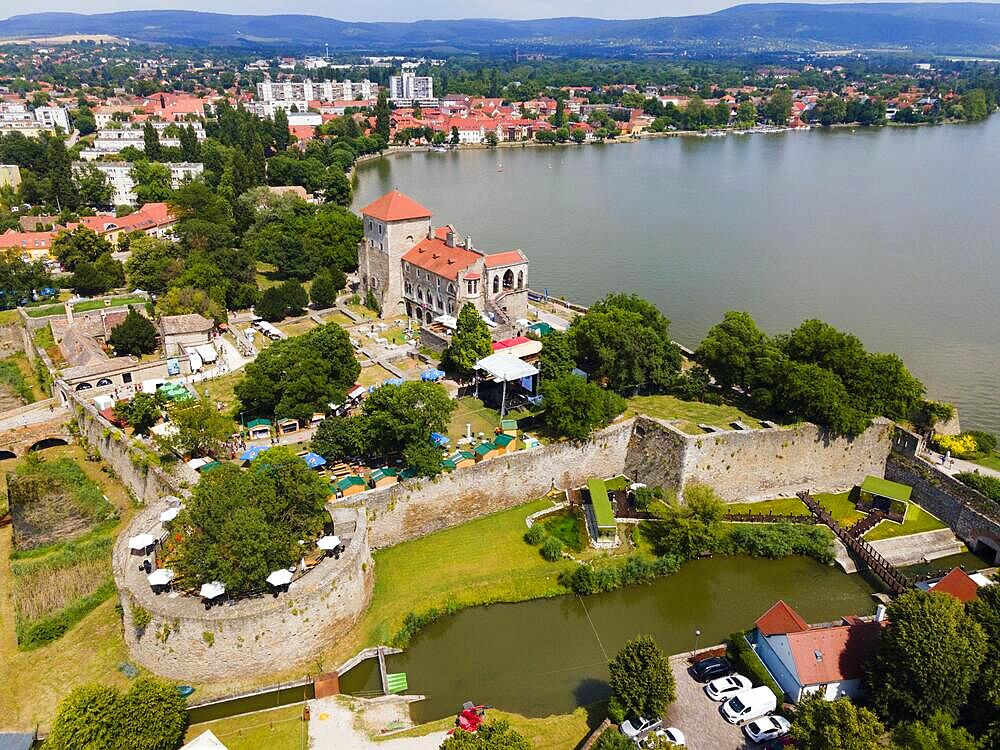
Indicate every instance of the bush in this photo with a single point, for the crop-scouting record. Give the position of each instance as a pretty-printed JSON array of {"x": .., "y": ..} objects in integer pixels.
[
  {"x": 612, "y": 739},
  {"x": 986, "y": 442},
  {"x": 552, "y": 549},
  {"x": 641, "y": 679},
  {"x": 779, "y": 540},
  {"x": 747, "y": 662},
  {"x": 989, "y": 486},
  {"x": 534, "y": 535},
  {"x": 960, "y": 446},
  {"x": 589, "y": 579}
]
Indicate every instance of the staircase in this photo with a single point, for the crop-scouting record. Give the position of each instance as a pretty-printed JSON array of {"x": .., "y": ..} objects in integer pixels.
[{"x": 896, "y": 582}]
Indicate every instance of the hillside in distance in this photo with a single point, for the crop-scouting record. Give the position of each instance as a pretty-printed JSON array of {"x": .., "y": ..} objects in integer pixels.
[{"x": 943, "y": 27}]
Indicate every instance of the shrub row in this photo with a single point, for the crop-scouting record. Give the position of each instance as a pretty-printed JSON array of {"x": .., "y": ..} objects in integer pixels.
[
  {"x": 989, "y": 486},
  {"x": 48, "y": 629},
  {"x": 778, "y": 540},
  {"x": 591, "y": 579},
  {"x": 415, "y": 621},
  {"x": 747, "y": 662},
  {"x": 11, "y": 374}
]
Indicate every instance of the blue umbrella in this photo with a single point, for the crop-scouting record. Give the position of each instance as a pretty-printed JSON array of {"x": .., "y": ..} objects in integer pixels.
[
  {"x": 431, "y": 375},
  {"x": 314, "y": 460},
  {"x": 252, "y": 452},
  {"x": 393, "y": 381},
  {"x": 439, "y": 440}
]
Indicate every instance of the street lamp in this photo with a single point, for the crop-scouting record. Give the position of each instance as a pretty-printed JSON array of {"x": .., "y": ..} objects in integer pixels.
[{"x": 697, "y": 635}]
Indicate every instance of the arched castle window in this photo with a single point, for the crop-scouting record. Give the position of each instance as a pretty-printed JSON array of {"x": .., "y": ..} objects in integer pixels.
[
  {"x": 496, "y": 284},
  {"x": 508, "y": 279}
]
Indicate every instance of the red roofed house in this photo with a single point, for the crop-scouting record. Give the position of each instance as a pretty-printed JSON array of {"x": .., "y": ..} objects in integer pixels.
[
  {"x": 34, "y": 245},
  {"x": 153, "y": 219},
  {"x": 959, "y": 584},
  {"x": 824, "y": 659},
  {"x": 408, "y": 265}
]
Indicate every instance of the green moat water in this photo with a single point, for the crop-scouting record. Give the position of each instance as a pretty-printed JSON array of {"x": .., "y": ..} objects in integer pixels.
[{"x": 549, "y": 656}]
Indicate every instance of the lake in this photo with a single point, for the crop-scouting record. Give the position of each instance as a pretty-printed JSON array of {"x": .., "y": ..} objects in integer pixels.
[
  {"x": 891, "y": 233},
  {"x": 549, "y": 656}
]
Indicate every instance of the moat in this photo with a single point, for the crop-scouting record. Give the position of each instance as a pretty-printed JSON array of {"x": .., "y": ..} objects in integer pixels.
[{"x": 825, "y": 224}]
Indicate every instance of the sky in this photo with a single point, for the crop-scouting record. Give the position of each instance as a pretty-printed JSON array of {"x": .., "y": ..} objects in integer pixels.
[{"x": 398, "y": 10}]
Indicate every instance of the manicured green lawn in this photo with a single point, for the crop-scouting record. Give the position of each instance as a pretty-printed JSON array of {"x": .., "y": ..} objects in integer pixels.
[
  {"x": 690, "y": 413},
  {"x": 785, "y": 506},
  {"x": 991, "y": 461},
  {"x": 568, "y": 527},
  {"x": 373, "y": 375},
  {"x": 472, "y": 411},
  {"x": 917, "y": 521},
  {"x": 97, "y": 304},
  {"x": 841, "y": 507},
  {"x": 339, "y": 318},
  {"x": 220, "y": 389},
  {"x": 298, "y": 328},
  {"x": 46, "y": 310},
  {"x": 276, "y": 729}
]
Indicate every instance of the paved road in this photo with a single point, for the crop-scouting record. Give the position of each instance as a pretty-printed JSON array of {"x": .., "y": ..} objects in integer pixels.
[
  {"x": 560, "y": 324},
  {"x": 37, "y": 415}
]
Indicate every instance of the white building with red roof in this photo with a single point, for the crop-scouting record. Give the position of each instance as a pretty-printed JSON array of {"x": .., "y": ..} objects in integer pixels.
[{"x": 429, "y": 273}]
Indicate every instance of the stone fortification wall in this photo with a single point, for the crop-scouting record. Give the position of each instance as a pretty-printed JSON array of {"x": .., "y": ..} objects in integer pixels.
[
  {"x": 755, "y": 464},
  {"x": 417, "y": 507},
  {"x": 974, "y": 518},
  {"x": 184, "y": 641},
  {"x": 135, "y": 468}
]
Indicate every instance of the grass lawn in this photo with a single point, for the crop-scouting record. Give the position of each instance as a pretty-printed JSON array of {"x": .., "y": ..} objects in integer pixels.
[
  {"x": 841, "y": 507},
  {"x": 472, "y": 411},
  {"x": 917, "y": 520},
  {"x": 373, "y": 375},
  {"x": 568, "y": 527},
  {"x": 480, "y": 562},
  {"x": 690, "y": 413},
  {"x": 362, "y": 311},
  {"x": 221, "y": 389},
  {"x": 275, "y": 729},
  {"x": 785, "y": 506},
  {"x": 991, "y": 461},
  {"x": 339, "y": 318},
  {"x": 46, "y": 310},
  {"x": 299, "y": 327},
  {"x": 97, "y": 304}
]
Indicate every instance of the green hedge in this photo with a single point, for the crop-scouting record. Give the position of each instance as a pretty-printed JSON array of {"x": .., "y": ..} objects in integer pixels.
[
  {"x": 988, "y": 485},
  {"x": 778, "y": 540},
  {"x": 48, "y": 629},
  {"x": 593, "y": 579},
  {"x": 747, "y": 662}
]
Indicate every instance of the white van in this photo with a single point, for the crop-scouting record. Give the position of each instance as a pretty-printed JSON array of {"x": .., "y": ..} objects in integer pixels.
[{"x": 748, "y": 705}]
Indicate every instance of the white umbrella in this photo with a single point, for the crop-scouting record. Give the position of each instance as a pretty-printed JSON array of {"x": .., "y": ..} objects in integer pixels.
[
  {"x": 280, "y": 577},
  {"x": 169, "y": 515},
  {"x": 160, "y": 577},
  {"x": 141, "y": 541},
  {"x": 328, "y": 542},
  {"x": 636, "y": 486},
  {"x": 212, "y": 590}
]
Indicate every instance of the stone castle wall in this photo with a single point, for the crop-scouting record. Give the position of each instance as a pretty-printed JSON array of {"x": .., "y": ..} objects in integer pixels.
[{"x": 184, "y": 641}]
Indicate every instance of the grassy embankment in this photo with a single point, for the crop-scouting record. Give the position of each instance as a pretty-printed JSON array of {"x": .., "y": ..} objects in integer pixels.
[
  {"x": 689, "y": 413},
  {"x": 844, "y": 512}
]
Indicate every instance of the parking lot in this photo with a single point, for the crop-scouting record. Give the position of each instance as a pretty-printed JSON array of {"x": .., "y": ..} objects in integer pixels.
[{"x": 698, "y": 716}]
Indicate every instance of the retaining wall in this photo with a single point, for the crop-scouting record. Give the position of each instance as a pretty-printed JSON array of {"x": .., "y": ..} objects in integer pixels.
[
  {"x": 184, "y": 641},
  {"x": 974, "y": 518}
]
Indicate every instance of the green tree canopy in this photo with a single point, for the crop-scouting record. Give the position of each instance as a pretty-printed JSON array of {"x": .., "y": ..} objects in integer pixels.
[
  {"x": 299, "y": 376},
  {"x": 152, "y": 263},
  {"x": 687, "y": 529},
  {"x": 938, "y": 732},
  {"x": 732, "y": 348},
  {"x": 926, "y": 659},
  {"x": 323, "y": 292},
  {"x": 470, "y": 343},
  {"x": 496, "y": 734},
  {"x": 187, "y": 299},
  {"x": 199, "y": 429},
  {"x": 398, "y": 416},
  {"x": 141, "y": 411},
  {"x": 835, "y": 725},
  {"x": 558, "y": 357},
  {"x": 136, "y": 335},
  {"x": 79, "y": 246},
  {"x": 624, "y": 341},
  {"x": 152, "y": 181},
  {"x": 574, "y": 407},
  {"x": 641, "y": 679},
  {"x": 245, "y": 524}
]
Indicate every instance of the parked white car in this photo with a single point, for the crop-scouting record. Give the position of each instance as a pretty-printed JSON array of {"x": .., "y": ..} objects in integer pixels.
[
  {"x": 671, "y": 735},
  {"x": 724, "y": 688},
  {"x": 767, "y": 729},
  {"x": 639, "y": 727},
  {"x": 748, "y": 705}
]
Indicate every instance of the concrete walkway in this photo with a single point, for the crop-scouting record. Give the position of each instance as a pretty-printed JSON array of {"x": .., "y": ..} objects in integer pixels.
[
  {"x": 333, "y": 725},
  {"x": 906, "y": 550},
  {"x": 957, "y": 465}
]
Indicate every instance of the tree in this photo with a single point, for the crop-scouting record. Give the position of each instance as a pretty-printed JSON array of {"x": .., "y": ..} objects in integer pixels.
[
  {"x": 338, "y": 438},
  {"x": 93, "y": 185},
  {"x": 492, "y": 735},
  {"x": 455, "y": 138},
  {"x": 937, "y": 733},
  {"x": 80, "y": 245},
  {"x": 623, "y": 341},
  {"x": 732, "y": 348},
  {"x": 261, "y": 512},
  {"x": 779, "y": 107},
  {"x": 152, "y": 181},
  {"x": 299, "y": 376},
  {"x": 835, "y": 725},
  {"x": 382, "y": 115},
  {"x": 199, "y": 429},
  {"x": 141, "y": 411},
  {"x": 325, "y": 286},
  {"x": 612, "y": 739},
  {"x": 985, "y": 700},
  {"x": 190, "y": 149},
  {"x": 492, "y": 139},
  {"x": 151, "y": 141},
  {"x": 19, "y": 279},
  {"x": 557, "y": 357},
  {"x": 152, "y": 263},
  {"x": 134, "y": 336},
  {"x": 926, "y": 659},
  {"x": 470, "y": 343},
  {"x": 98, "y": 277},
  {"x": 294, "y": 296},
  {"x": 399, "y": 416},
  {"x": 272, "y": 306},
  {"x": 574, "y": 407},
  {"x": 578, "y": 135},
  {"x": 746, "y": 114},
  {"x": 180, "y": 300},
  {"x": 90, "y": 716},
  {"x": 423, "y": 457},
  {"x": 687, "y": 529},
  {"x": 641, "y": 680}
]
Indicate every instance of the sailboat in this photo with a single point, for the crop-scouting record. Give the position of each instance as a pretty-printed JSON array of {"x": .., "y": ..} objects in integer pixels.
[{"x": 499, "y": 167}]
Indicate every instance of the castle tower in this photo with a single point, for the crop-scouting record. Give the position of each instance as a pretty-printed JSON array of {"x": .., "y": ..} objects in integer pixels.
[{"x": 393, "y": 224}]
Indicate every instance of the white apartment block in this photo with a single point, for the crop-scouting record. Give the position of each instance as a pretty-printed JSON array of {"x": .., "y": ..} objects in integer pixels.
[
  {"x": 308, "y": 91},
  {"x": 53, "y": 117},
  {"x": 17, "y": 118},
  {"x": 407, "y": 88},
  {"x": 119, "y": 175},
  {"x": 110, "y": 141}
]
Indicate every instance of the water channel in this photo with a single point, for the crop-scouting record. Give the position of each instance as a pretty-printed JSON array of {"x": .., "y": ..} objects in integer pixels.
[
  {"x": 891, "y": 233},
  {"x": 549, "y": 656}
]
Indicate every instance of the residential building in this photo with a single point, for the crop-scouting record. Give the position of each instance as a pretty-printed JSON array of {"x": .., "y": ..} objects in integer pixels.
[
  {"x": 826, "y": 660},
  {"x": 53, "y": 117},
  {"x": 430, "y": 273},
  {"x": 959, "y": 584},
  {"x": 30, "y": 245},
  {"x": 307, "y": 90},
  {"x": 119, "y": 175},
  {"x": 407, "y": 88},
  {"x": 110, "y": 141}
]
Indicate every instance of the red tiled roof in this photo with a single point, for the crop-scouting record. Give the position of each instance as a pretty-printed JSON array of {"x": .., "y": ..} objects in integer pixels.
[
  {"x": 473, "y": 277},
  {"x": 958, "y": 584},
  {"x": 395, "y": 206},
  {"x": 834, "y": 654},
  {"x": 508, "y": 258},
  {"x": 435, "y": 256},
  {"x": 780, "y": 619},
  {"x": 507, "y": 343},
  {"x": 26, "y": 240}
]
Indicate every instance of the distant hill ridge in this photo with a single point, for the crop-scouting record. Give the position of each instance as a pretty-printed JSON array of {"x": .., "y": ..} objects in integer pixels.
[{"x": 771, "y": 26}]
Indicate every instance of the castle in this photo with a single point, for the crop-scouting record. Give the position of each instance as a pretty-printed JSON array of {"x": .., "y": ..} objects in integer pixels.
[{"x": 431, "y": 273}]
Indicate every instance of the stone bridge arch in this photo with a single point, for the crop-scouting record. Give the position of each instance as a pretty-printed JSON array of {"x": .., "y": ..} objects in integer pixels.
[{"x": 49, "y": 441}]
